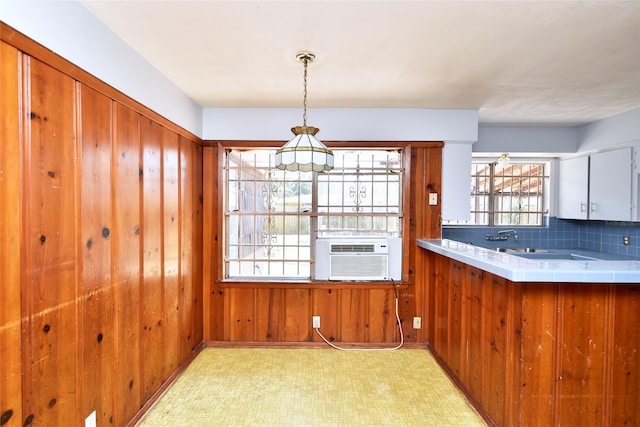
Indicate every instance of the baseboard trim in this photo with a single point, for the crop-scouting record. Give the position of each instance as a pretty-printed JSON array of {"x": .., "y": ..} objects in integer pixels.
[{"x": 306, "y": 344}]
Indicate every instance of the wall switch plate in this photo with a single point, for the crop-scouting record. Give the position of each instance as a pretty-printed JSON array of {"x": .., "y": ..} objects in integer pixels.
[
  {"x": 315, "y": 320},
  {"x": 626, "y": 240},
  {"x": 417, "y": 322},
  {"x": 433, "y": 198}
]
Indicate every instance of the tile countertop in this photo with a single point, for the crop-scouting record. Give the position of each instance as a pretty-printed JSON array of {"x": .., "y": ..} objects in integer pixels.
[{"x": 519, "y": 269}]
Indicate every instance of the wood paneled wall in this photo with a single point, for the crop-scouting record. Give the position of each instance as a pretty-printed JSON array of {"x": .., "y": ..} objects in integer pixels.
[
  {"x": 271, "y": 312},
  {"x": 101, "y": 245},
  {"x": 537, "y": 354}
]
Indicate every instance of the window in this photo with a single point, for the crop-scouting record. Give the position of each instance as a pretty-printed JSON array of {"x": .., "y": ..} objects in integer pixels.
[
  {"x": 272, "y": 216},
  {"x": 508, "y": 195}
]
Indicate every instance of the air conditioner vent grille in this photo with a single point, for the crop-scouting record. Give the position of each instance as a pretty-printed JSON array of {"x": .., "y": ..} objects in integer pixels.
[
  {"x": 358, "y": 259},
  {"x": 354, "y": 267},
  {"x": 352, "y": 248}
]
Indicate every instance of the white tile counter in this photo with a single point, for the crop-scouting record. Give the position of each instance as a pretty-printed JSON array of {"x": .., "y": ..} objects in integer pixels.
[{"x": 519, "y": 269}]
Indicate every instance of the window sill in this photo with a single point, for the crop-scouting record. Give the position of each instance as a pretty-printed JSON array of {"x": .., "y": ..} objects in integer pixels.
[{"x": 310, "y": 284}]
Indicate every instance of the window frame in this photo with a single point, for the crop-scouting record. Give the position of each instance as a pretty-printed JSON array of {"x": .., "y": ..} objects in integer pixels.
[
  {"x": 281, "y": 236},
  {"x": 223, "y": 145},
  {"x": 491, "y": 212}
]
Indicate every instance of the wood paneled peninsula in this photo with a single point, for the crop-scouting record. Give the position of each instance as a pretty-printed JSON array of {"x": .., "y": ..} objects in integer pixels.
[{"x": 535, "y": 342}]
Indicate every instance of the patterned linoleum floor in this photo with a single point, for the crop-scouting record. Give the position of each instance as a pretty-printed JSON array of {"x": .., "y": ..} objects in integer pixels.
[{"x": 312, "y": 387}]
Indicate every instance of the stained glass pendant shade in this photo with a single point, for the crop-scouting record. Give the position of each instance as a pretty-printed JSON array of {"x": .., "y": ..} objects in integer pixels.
[{"x": 304, "y": 152}]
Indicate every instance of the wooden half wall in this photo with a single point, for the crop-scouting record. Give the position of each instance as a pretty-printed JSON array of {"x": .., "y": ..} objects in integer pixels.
[{"x": 100, "y": 240}]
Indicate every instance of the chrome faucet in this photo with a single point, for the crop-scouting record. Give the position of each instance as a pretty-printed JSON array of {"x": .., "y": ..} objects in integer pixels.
[
  {"x": 502, "y": 235},
  {"x": 507, "y": 233}
]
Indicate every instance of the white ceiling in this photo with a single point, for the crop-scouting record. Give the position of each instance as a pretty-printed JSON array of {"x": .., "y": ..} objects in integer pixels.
[{"x": 517, "y": 62}]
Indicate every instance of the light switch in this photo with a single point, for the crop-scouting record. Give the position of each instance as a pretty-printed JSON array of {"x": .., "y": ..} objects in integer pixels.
[{"x": 433, "y": 198}]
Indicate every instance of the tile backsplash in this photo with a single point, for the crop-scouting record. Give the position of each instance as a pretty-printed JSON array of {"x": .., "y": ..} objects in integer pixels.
[{"x": 603, "y": 236}]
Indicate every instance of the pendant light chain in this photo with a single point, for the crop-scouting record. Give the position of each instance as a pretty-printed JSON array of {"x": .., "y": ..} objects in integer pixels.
[
  {"x": 304, "y": 93},
  {"x": 304, "y": 152}
]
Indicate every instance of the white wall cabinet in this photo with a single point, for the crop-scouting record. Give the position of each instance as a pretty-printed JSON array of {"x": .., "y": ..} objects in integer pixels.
[
  {"x": 597, "y": 187},
  {"x": 573, "y": 188}
]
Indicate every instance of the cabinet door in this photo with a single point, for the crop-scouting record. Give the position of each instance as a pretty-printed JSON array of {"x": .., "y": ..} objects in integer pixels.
[
  {"x": 573, "y": 188},
  {"x": 610, "y": 185}
]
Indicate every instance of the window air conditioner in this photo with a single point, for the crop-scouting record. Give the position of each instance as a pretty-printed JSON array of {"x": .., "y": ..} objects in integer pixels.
[{"x": 358, "y": 259}]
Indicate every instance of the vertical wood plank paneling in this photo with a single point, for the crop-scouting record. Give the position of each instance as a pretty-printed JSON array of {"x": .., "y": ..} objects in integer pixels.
[
  {"x": 51, "y": 245},
  {"x": 414, "y": 193},
  {"x": 456, "y": 330},
  {"x": 197, "y": 255},
  {"x": 152, "y": 231},
  {"x": 297, "y": 322},
  {"x": 545, "y": 353},
  {"x": 127, "y": 270},
  {"x": 625, "y": 361},
  {"x": 70, "y": 248},
  {"x": 513, "y": 352},
  {"x": 10, "y": 242},
  {"x": 186, "y": 247},
  {"x": 96, "y": 290},
  {"x": 214, "y": 320},
  {"x": 382, "y": 316},
  {"x": 496, "y": 352},
  {"x": 354, "y": 313},
  {"x": 441, "y": 328},
  {"x": 347, "y": 315},
  {"x": 210, "y": 303},
  {"x": 423, "y": 273},
  {"x": 474, "y": 360},
  {"x": 582, "y": 369},
  {"x": 241, "y": 305},
  {"x": 431, "y": 282},
  {"x": 215, "y": 316},
  {"x": 269, "y": 318},
  {"x": 412, "y": 228},
  {"x": 171, "y": 251},
  {"x": 537, "y": 371},
  {"x": 325, "y": 304},
  {"x": 433, "y": 184}
]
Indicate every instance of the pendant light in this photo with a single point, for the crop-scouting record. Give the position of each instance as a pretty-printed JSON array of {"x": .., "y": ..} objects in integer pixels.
[{"x": 304, "y": 152}]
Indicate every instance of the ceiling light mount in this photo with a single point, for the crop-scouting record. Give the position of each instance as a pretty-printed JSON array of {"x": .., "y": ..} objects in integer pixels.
[
  {"x": 305, "y": 57},
  {"x": 304, "y": 152}
]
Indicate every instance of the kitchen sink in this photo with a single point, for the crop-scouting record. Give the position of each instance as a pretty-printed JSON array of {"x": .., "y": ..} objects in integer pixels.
[
  {"x": 549, "y": 255},
  {"x": 559, "y": 254},
  {"x": 520, "y": 250},
  {"x": 542, "y": 254}
]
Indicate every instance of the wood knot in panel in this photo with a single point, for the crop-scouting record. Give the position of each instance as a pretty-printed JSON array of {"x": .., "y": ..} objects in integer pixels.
[
  {"x": 28, "y": 420},
  {"x": 6, "y": 416}
]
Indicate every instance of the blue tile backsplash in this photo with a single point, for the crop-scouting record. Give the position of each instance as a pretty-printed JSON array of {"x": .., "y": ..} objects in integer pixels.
[{"x": 602, "y": 236}]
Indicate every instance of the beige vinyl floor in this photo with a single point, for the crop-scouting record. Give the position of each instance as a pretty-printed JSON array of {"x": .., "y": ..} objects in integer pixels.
[{"x": 312, "y": 387}]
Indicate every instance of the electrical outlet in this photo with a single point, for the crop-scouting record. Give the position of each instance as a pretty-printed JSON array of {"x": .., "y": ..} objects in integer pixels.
[
  {"x": 315, "y": 320},
  {"x": 417, "y": 322},
  {"x": 433, "y": 199},
  {"x": 626, "y": 240},
  {"x": 90, "y": 421}
]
